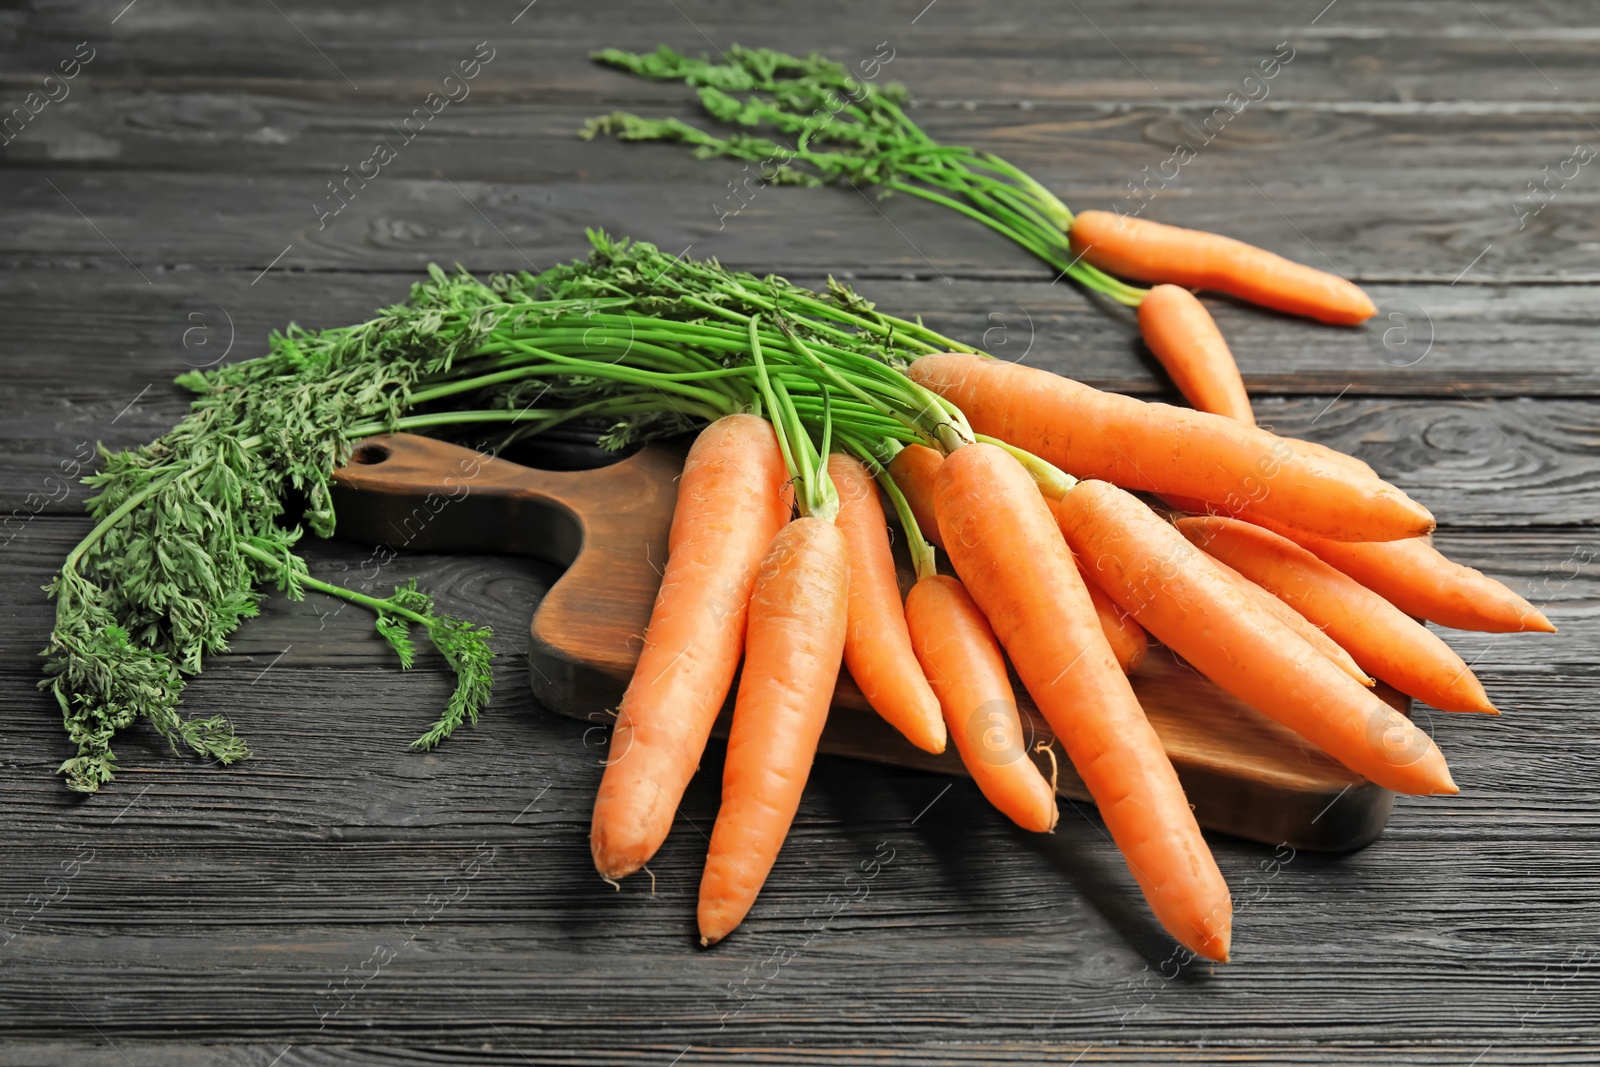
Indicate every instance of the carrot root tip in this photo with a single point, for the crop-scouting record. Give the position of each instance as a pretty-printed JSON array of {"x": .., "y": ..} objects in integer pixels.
[
  {"x": 1055, "y": 770},
  {"x": 612, "y": 882}
]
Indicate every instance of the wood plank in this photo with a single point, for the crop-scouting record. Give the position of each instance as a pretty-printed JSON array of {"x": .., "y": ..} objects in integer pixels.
[
  {"x": 1474, "y": 462},
  {"x": 303, "y": 752},
  {"x": 293, "y": 866},
  {"x": 1466, "y": 185},
  {"x": 1074, "y": 147},
  {"x": 1041, "y": 51},
  {"x": 498, "y": 1051},
  {"x": 119, "y": 335},
  {"x": 1380, "y": 232},
  {"x": 533, "y": 944}
]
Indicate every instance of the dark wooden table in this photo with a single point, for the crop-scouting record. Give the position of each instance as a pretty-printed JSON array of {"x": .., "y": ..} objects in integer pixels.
[{"x": 296, "y": 910}]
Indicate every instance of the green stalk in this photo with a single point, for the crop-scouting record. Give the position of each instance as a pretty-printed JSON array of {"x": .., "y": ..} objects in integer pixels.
[
  {"x": 922, "y": 555},
  {"x": 876, "y": 143},
  {"x": 122, "y": 511},
  {"x": 465, "y": 647},
  {"x": 1053, "y": 482},
  {"x": 815, "y": 493}
]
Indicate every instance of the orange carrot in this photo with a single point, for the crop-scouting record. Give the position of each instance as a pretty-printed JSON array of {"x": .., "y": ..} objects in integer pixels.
[
  {"x": 1179, "y": 595},
  {"x": 1317, "y": 450},
  {"x": 1381, "y": 637},
  {"x": 730, "y": 506},
  {"x": 1285, "y": 614},
  {"x": 1183, "y": 336},
  {"x": 1154, "y": 252},
  {"x": 1308, "y": 631},
  {"x": 877, "y": 650},
  {"x": 1417, "y": 578},
  {"x": 1127, "y": 638},
  {"x": 799, "y": 612},
  {"x": 962, "y": 659},
  {"x": 1011, "y": 558},
  {"x": 915, "y": 470},
  {"x": 1163, "y": 449}
]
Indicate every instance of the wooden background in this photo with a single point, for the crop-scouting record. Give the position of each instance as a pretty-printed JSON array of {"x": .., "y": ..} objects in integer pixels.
[{"x": 161, "y": 216}]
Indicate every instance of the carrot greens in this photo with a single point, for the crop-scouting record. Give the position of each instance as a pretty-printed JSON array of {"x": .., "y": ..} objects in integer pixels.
[
  {"x": 812, "y": 123},
  {"x": 191, "y": 527}
]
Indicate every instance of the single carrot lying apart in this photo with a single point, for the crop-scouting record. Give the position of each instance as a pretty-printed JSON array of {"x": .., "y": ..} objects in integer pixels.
[
  {"x": 1381, "y": 637},
  {"x": 1162, "y": 449},
  {"x": 1308, "y": 631},
  {"x": 1177, "y": 594},
  {"x": 962, "y": 659},
  {"x": 915, "y": 470},
  {"x": 1012, "y": 560},
  {"x": 877, "y": 648},
  {"x": 1417, "y": 578},
  {"x": 1154, "y": 252},
  {"x": 730, "y": 506},
  {"x": 799, "y": 613},
  {"x": 1183, "y": 336}
]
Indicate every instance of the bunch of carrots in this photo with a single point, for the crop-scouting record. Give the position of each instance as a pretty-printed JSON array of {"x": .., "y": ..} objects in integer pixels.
[{"x": 1289, "y": 574}]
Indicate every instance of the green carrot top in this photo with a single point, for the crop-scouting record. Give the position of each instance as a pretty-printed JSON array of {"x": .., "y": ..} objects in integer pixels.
[{"x": 813, "y": 123}]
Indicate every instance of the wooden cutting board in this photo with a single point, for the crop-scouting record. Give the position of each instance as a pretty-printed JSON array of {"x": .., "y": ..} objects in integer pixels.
[{"x": 1244, "y": 774}]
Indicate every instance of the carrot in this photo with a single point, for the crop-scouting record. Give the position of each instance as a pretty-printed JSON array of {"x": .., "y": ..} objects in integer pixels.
[
  {"x": 1291, "y": 618},
  {"x": 1317, "y": 450},
  {"x": 1126, "y": 637},
  {"x": 877, "y": 649},
  {"x": 799, "y": 613},
  {"x": 1180, "y": 596},
  {"x": 1183, "y": 336},
  {"x": 1308, "y": 631},
  {"x": 1417, "y": 578},
  {"x": 915, "y": 470},
  {"x": 730, "y": 506},
  {"x": 962, "y": 659},
  {"x": 1012, "y": 560},
  {"x": 1154, "y": 252},
  {"x": 1381, "y": 637},
  {"x": 1162, "y": 449}
]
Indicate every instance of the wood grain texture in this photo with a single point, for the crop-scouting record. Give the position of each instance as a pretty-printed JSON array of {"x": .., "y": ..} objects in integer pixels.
[
  {"x": 400, "y": 223},
  {"x": 1484, "y": 341},
  {"x": 1369, "y": 51},
  {"x": 221, "y": 903},
  {"x": 230, "y": 898},
  {"x": 1514, "y": 461}
]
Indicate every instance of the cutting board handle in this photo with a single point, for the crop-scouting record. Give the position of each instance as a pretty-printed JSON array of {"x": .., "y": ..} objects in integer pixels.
[
  {"x": 607, "y": 526},
  {"x": 405, "y": 483}
]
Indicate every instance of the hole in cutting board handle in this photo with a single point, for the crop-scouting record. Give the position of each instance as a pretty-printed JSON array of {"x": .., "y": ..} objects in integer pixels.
[{"x": 370, "y": 455}]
